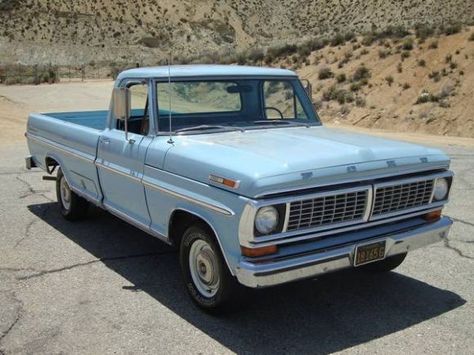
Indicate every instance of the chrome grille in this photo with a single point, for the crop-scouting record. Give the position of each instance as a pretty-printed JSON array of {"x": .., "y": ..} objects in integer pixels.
[
  {"x": 327, "y": 210},
  {"x": 403, "y": 196}
]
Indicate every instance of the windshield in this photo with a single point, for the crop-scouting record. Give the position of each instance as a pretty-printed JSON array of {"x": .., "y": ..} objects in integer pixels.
[{"x": 238, "y": 103}]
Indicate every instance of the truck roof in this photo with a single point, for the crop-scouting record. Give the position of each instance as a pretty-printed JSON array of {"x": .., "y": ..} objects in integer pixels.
[{"x": 203, "y": 70}]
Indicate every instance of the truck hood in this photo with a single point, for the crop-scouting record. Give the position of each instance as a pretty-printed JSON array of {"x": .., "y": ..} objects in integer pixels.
[{"x": 275, "y": 160}]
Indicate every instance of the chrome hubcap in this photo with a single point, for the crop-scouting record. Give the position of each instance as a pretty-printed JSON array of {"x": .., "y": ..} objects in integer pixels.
[
  {"x": 65, "y": 193},
  {"x": 203, "y": 267}
]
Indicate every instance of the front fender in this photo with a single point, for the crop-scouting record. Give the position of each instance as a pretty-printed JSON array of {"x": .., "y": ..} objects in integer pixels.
[{"x": 167, "y": 193}]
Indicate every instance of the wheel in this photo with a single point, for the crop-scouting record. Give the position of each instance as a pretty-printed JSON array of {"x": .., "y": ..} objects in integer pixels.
[
  {"x": 385, "y": 265},
  {"x": 72, "y": 206},
  {"x": 207, "y": 278}
]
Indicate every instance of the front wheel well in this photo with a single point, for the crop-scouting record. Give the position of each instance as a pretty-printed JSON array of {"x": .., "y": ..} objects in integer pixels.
[{"x": 180, "y": 221}]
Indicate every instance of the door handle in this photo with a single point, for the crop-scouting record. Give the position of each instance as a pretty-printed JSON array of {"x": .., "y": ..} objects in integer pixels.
[{"x": 105, "y": 140}]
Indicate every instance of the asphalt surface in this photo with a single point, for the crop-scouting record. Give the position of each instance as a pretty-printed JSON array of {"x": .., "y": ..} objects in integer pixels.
[{"x": 102, "y": 286}]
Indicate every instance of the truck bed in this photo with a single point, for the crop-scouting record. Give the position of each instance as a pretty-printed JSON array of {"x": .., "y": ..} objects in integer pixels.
[
  {"x": 91, "y": 119},
  {"x": 70, "y": 139}
]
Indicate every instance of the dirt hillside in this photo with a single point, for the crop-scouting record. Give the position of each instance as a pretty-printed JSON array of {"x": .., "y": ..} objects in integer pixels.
[
  {"x": 409, "y": 86},
  {"x": 81, "y": 32}
]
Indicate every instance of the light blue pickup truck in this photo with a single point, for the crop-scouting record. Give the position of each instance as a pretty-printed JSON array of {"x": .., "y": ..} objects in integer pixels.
[{"x": 232, "y": 165}]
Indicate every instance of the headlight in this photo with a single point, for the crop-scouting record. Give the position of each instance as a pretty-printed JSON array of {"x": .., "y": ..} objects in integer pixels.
[
  {"x": 266, "y": 219},
  {"x": 441, "y": 189}
]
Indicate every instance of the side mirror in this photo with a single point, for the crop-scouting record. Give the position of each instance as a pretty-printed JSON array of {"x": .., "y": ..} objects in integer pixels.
[
  {"x": 121, "y": 103},
  {"x": 308, "y": 88}
]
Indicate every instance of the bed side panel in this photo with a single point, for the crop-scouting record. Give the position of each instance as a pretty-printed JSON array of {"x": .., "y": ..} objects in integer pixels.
[{"x": 73, "y": 146}]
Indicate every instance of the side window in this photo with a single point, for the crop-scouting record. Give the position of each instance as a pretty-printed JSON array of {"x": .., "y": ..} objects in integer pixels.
[
  {"x": 139, "y": 111},
  {"x": 281, "y": 102}
]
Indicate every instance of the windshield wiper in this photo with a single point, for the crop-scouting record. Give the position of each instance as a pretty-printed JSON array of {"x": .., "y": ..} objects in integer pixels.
[
  {"x": 206, "y": 127},
  {"x": 279, "y": 122},
  {"x": 271, "y": 122}
]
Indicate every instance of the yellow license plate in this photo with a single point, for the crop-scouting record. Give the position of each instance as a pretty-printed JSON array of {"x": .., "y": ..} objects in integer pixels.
[{"x": 369, "y": 252}]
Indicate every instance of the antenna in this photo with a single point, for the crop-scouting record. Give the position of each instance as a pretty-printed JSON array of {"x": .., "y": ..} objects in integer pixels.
[{"x": 170, "y": 141}]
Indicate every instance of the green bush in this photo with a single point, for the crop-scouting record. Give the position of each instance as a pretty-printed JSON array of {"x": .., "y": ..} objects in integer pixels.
[
  {"x": 471, "y": 37},
  {"x": 362, "y": 72},
  {"x": 340, "y": 95},
  {"x": 405, "y": 54},
  {"x": 452, "y": 29},
  {"x": 341, "y": 77},
  {"x": 151, "y": 42},
  {"x": 315, "y": 44},
  {"x": 423, "y": 31},
  {"x": 397, "y": 31},
  {"x": 408, "y": 44},
  {"x": 426, "y": 97},
  {"x": 338, "y": 40},
  {"x": 255, "y": 54},
  {"x": 355, "y": 87},
  {"x": 28, "y": 75},
  {"x": 345, "y": 60},
  {"x": 433, "y": 45},
  {"x": 360, "y": 101},
  {"x": 282, "y": 51},
  {"x": 274, "y": 53},
  {"x": 349, "y": 36},
  {"x": 421, "y": 63},
  {"x": 330, "y": 93},
  {"x": 389, "y": 79},
  {"x": 304, "y": 50},
  {"x": 368, "y": 39},
  {"x": 435, "y": 75},
  {"x": 343, "y": 96},
  {"x": 384, "y": 53},
  {"x": 325, "y": 73}
]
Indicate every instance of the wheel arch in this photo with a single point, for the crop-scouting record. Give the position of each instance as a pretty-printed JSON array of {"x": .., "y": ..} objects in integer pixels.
[
  {"x": 176, "y": 228},
  {"x": 51, "y": 162}
]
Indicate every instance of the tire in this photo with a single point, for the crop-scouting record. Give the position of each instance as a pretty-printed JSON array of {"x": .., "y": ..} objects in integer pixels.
[
  {"x": 385, "y": 265},
  {"x": 205, "y": 273},
  {"x": 72, "y": 206}
]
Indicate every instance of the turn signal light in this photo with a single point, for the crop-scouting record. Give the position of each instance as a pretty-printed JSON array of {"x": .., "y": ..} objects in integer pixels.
[
  {"x": 432, "y": 216},
  {"x": 254, "y": 252},
  {"x": 227, "y": 182}
]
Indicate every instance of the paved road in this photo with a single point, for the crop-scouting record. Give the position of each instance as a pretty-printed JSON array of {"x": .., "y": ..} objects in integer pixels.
[{"x": 101, "y": 286}]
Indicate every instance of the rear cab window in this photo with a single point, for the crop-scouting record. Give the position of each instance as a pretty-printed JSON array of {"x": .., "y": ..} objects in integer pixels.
[
  {"x": 199, "y": 97},
  {"x": 280, "y": 101}
]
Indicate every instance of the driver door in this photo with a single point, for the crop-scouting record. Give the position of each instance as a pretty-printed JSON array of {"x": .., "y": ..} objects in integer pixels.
[{"x": 120, "y": 160}]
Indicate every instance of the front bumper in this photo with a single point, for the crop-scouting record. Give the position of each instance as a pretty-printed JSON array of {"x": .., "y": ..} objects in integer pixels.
[{"x": 275, "y": 272}]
